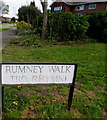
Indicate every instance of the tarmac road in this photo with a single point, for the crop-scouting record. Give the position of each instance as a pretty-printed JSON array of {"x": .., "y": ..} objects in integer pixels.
[
  {"x": 5, "y": 36},
  {"x": 6, "y": 25}
]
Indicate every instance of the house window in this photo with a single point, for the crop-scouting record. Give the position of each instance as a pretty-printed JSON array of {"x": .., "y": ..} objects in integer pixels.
[
  {"x": 92, "y": 6},
  {"x": 81, "y": 7},
  {"x": 80, "y": 14},
  {"x": 59, "y": 8}
]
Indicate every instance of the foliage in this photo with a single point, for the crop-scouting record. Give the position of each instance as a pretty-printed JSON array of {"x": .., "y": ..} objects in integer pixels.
[
  {"x": 28, "y": 38},
  {"x": 4, "y": 9},
  {"x": 37, "y": 24},
  {"x": 70, "y": 43},
  {"x": 25, "y": 40},
  {"x": 4, "y": 29},
  {"x": 28, "y": 13},
  {"x": 22, "y": 25},
  {"x": 98, "y": 26},
  {"x": 32, "y": 3},
  {"x": 13, "y": 19},
  {"x": 71, "y": 27},
  {"x": 5, "y": 21},
  {"x": 51, "y": 42},
  {"x": 66, "y": 26},
  {"x": 38, "y": 43}
]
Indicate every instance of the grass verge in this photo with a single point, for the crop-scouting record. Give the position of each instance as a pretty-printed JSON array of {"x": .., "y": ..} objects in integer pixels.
[
  {"x": 50, "y": 101},
  {"x": 4, "y": 29}
]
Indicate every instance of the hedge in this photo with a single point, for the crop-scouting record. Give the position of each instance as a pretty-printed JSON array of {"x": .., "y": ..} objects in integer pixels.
[
  {"x": 69, "y": 27},
  {"x": 98, "y": 26},
  {"x": 66, "y": 26}
]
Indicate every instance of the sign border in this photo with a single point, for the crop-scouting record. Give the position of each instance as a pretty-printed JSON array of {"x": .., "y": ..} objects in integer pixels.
[
  {"x": 0, "y": 74},
  {"x": 10, "y": 63}
]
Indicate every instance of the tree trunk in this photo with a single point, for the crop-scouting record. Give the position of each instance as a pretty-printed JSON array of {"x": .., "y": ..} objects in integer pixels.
[
  {"x": 44, "y": 28},
  {"x": 28, "y": 20}
]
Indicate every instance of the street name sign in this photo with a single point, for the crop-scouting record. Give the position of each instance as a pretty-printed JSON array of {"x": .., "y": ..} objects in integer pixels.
[{"x": 20, "y": 74}]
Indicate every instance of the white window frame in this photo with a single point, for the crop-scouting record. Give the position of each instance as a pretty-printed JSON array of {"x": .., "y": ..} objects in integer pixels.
[
  {"x": 80, "y": 14},
  {"x": 80, "y": 7},
  {"x": 92, "y": 6},
  {"x": 58, "y": 8}
]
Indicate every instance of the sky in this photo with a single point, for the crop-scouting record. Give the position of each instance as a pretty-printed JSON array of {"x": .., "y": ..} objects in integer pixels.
[{"x": 14, "y": 5}]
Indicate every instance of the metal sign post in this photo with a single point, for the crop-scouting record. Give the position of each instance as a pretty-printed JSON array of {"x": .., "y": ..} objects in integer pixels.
[
  {"x": 0, "y": 102},
  {"x": 72, "y": 86},
  {"x": 0, "y": 95},
  {"x": 70, "y": 96}
]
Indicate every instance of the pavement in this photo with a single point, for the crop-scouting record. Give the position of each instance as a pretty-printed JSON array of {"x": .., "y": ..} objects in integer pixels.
[
  {"x": 6, "y": 25},
  {"x": 5, "y": 36}
]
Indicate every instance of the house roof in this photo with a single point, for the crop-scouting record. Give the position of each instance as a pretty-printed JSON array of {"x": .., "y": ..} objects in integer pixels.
[{"x": 78, "y": 2}]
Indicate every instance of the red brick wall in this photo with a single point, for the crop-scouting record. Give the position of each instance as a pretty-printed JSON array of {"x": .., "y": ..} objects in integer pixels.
[
  {"x": 66, "y": 8},
  {"x": 8, "y": 19},
  {"x": 5, "y": 19},
  {"x": 99, "y": 7}
]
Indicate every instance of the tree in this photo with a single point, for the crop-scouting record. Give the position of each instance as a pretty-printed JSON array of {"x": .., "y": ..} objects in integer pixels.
[
  {"x": 2, "y": 5},
  {"x": 32, "y": 3},
  {"x": 28, "y": 13},
  {"x": 44, "y": 28},
  {"x": 13, "y": 19},
  {"x": 4, "y": 9}
]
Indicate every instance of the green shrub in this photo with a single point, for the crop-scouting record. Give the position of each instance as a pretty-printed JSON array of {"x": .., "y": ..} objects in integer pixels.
[
  {"x": 5, "y": 21},
  {"x": 66, "y": 26},
  {"x": 22, "y": 33},
  {"x": 15, "y": 40},
  {"x": 37, "y": 43},
  {"x": 22, "y": 25},
  {"x": 98, "y": 26},
  {"x": 51, "y": 42},
  {"x": 70, "y": 43},
  {"x": 37, "y": 24},
  {"x": 25, "y": 40}
]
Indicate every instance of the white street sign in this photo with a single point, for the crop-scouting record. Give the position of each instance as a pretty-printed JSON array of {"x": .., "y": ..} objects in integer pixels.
[{"x": 37, "y": 74}]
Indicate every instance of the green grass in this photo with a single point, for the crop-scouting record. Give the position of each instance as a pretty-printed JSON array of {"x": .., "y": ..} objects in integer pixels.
[
  {"x": 4, "y": 29},
  {"x": 50, "y": 101}
]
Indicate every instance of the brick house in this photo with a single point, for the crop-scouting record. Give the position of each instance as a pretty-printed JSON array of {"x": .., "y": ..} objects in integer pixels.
[
  {"x": 77, "y": 7},
  {"x": 5, "y": 19}
]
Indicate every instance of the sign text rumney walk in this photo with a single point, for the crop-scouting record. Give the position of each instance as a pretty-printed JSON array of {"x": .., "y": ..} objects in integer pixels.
[{"x": 37, "y": 73}]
